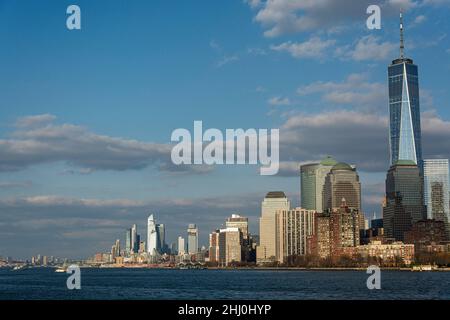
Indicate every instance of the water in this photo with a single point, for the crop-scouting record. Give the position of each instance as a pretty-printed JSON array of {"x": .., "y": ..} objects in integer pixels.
[{"x": 44, "y": 283}]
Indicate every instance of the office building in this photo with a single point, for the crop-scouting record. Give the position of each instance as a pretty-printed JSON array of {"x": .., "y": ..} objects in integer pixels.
[
  {"x": 230, "y": 246},
  {"x": 214, "y": 246},
  {"x": 404, "y": 199},
  {"x": 134, "y": 239},
  {"x": 404, "y": 108},
  {"x": 312, "y": 180},
  {"x": 181, "y": 246},
  {"x": 342, "y": 182},
  {"x": 436, "y": 191},
  {"x": 294, "y": 228},
  {"x": 152, "y": 236},
  {"x": 267, "y": 249},
  {"x": 192, "y": 232}
]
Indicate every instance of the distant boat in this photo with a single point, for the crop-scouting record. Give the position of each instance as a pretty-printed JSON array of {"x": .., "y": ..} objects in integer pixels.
[
  {"x": 19, "y": 267},
  {"x": 61, "y": 269}
]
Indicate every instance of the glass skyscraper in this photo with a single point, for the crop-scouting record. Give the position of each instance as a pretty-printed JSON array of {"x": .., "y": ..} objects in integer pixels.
[
  {"x": 404, "y": 109},
  {"x": 436, "y": 188}
]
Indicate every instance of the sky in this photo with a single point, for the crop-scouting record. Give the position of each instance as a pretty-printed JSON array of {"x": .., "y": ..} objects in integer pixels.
[{"x": 86, "y": 115}]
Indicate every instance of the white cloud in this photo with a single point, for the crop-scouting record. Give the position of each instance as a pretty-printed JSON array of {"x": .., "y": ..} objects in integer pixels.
[
  {"x": 279, "y": 17},
  {"x": 314, "y": 48},
  {"x": 369, "y": 48},
  {"x": 279, "y": 101},
  {"x": 356, "y": 91}
]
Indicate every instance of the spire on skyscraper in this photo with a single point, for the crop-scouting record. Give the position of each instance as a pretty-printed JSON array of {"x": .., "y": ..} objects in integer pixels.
[{"x": 402, "y": 43}]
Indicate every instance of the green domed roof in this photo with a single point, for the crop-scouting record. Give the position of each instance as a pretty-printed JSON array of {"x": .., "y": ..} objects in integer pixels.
[
  {"x": 328, "y": 161},
  {"x": 342, "y": 166}
]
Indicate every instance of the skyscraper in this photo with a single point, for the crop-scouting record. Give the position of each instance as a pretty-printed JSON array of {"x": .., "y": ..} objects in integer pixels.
[
  {"x": 404, "y": 109},
  {"x": 192, "y": 239},
  {"x": 436, "y": 191},
  {"x": 134, "y": 239},
  {"x": 181, "y": 246},
  {"x": 152, "y": 236},
  {"x": 267, "y": 249},
  {"x": 404, "y": 199},
  {"x": 161, "y": 231},
  {"x": 230, "y": 245},
  {"x": 214, "y": 246},
  {"x": 128, "y": 243},
  {"x": 312, "y": 181},
  {"x": 342, "y": 182},
  {"x": 294, "y": 227}
]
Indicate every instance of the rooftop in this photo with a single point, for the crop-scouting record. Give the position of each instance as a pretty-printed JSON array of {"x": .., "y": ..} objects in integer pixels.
[{"x": 275, "y": 194}]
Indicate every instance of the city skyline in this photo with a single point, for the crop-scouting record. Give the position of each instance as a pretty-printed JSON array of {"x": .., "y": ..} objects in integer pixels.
[{"x": 61, "y": 204}]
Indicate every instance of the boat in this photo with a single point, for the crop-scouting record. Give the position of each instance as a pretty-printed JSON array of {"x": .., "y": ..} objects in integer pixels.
[{"x": 19, "y": 267}]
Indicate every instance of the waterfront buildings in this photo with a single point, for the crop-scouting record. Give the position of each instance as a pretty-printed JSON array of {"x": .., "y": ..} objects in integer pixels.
[
  {"x": 192, "y": 239},
  {"x": 387, "y": 252},
  {"x": 230, "y": 246},
  {"x": 404, "y": 109},
  {"x": 267, "y": 249},
  {"x": 426, "y": 232},
  {"x": 335, "y": 233},
  {"x": 436, "y": 191},
  {"x": 404, "y": 199},
  {"x": 312, "y": 182},
  {"x": 293, "y": 229},
  {"x": 342, "y": 182}
]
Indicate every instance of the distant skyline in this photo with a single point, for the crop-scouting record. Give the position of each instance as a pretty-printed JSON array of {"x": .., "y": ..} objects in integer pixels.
[{"x": 86, "y": 116}]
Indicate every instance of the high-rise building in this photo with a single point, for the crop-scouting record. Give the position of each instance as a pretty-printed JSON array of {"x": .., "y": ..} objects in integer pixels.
[
  {"x": 181, "y": 246},
  {"x": 128, "y": 243},
  {"x": 312, "y": 180},
  {"x": 160, "y": 229},
  {"x": 404, "y": 199},
  {"x": 134, "y": 240},
  {"x": 214, "y": 246},
  {"x": 152, "y": 236},
  {"x": 267, "y": 249},
  {"x": 294, "y": 228},
  {"x": 336, "y": 232},
  {"x": 192, "y": 239},
  {"x": 404, "y": 108},
  {"x": 237, "y": 221},
  {"x": 436, "y": 191},
  {"x": 342, "y": 182},
  {"x": 230, "y": 246}
]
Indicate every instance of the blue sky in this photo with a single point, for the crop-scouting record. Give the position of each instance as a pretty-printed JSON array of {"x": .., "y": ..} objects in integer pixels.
[{"x": 86, "y": 115}]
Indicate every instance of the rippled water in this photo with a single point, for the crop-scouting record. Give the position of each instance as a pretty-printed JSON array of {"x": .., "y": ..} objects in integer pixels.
[{"x": 44, "y": 283}]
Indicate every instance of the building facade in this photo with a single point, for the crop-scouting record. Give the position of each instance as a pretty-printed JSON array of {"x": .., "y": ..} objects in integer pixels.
[
  {"x": 404, "y": 109},
  {"x": 436, "y": 191},
  {"x": 230, "y": 246},
  {"x": 267, "y": 249},
  {"x": 404, "y": 199},
  {"x": 192, "y": 232},
  {"x": 294, "y": 228},
  {"x": 312, "y": 180},
  {"x": 342, "y": 182},
  {"x": 152, "y": 236}
]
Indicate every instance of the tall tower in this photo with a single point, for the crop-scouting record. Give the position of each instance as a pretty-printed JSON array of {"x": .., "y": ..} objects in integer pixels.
[
  {"x": 152, "y": 236},
  {"x": 192, "y": 232},
  {"x": 404, "y": 110}
]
